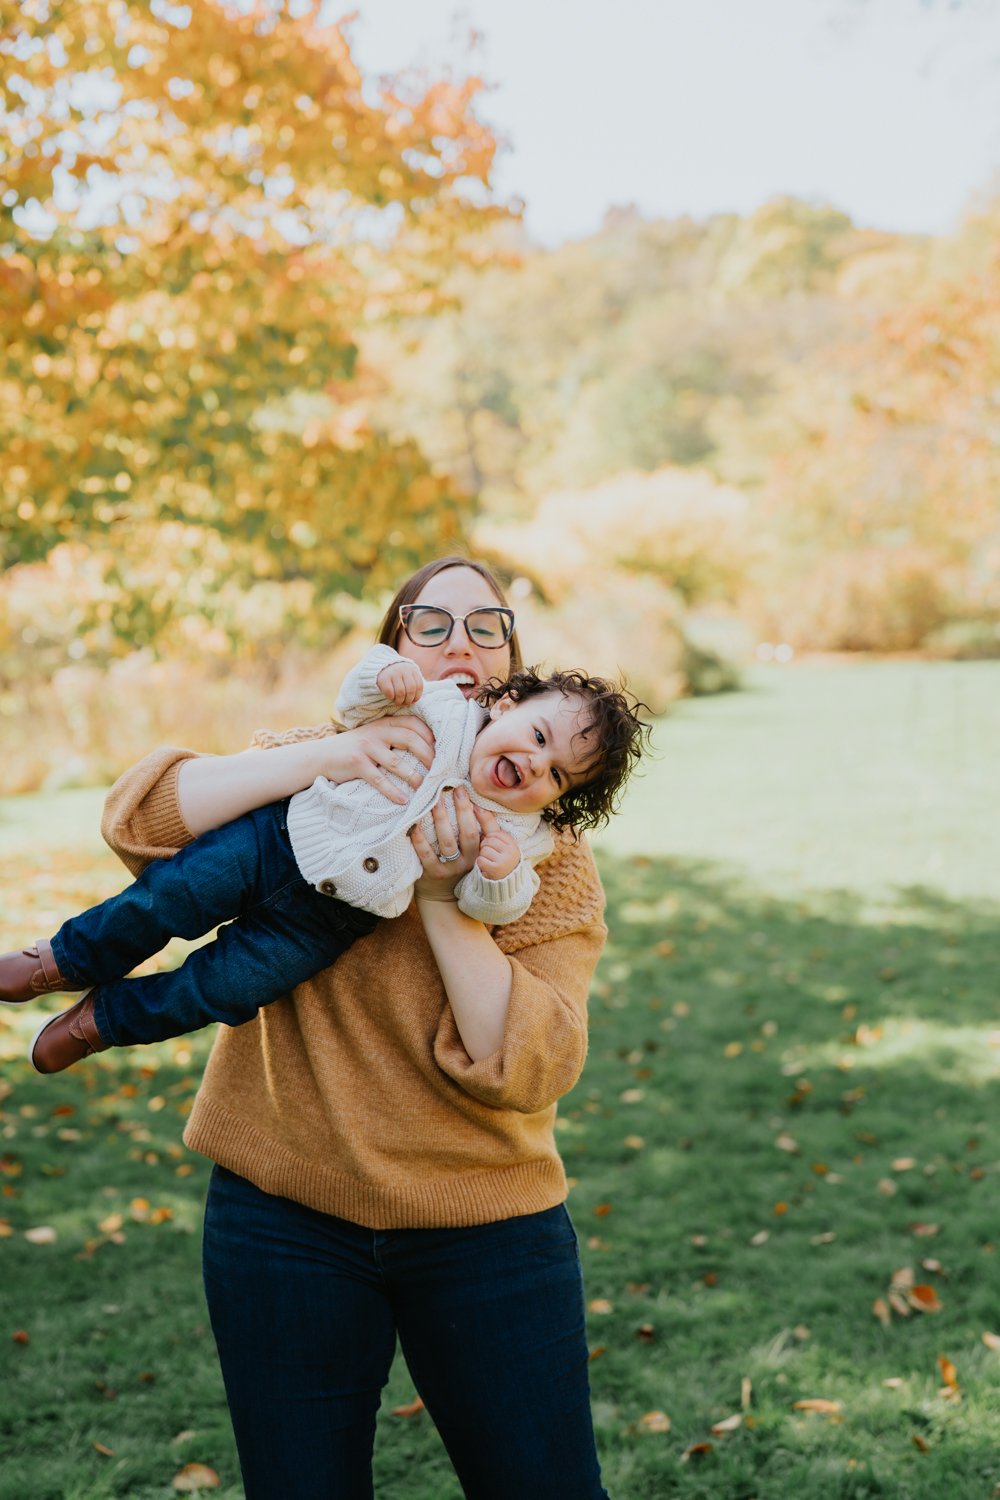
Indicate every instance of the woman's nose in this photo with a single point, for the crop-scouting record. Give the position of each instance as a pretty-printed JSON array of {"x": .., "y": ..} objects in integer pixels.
[{"x": 458, "y": 643}]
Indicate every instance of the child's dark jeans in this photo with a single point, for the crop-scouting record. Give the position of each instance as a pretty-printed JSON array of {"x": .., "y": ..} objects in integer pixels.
[{"x": 280, "y": 931}]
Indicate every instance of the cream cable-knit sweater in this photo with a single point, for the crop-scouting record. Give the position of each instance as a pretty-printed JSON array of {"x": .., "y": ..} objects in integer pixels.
[
  {"x": 354, "y": 1095},
  {"x": 350, "y": 841}
]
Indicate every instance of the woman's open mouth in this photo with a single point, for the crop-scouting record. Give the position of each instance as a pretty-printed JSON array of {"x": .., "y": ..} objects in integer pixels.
[{"x": 467, "y": 684}]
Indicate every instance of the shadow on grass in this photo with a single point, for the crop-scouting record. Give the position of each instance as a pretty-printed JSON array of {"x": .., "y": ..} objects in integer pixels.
[{"x": 784, "y": 1105}]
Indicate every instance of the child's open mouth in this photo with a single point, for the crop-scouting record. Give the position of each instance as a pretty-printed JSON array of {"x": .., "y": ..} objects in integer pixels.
[{"x": 506, "y": 773}]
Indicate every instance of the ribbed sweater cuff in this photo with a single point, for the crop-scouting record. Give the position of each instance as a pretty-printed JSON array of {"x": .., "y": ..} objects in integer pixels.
[
  {"x": 497, "y": 901},
  {"x": 167, "y": 829}
]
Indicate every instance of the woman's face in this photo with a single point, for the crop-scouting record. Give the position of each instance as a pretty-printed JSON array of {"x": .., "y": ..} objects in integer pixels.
[{"x": 458, "y": 590}]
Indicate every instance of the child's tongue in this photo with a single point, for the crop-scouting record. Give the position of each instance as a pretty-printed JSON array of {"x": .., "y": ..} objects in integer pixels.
[{"x": 506, "y": 774}]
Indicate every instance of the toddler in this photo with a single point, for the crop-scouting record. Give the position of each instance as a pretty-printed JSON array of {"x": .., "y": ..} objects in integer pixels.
[{"x": 297, "y": 881}]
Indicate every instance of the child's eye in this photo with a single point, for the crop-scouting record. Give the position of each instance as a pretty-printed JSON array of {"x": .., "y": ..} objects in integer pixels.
[
  {"x": 539, "y": 737},
  {"x": 556, "y": 777}
]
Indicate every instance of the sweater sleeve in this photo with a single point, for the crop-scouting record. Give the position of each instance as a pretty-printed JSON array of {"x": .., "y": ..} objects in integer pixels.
[
  {"x": 360, "y": 698},
  {"x": 497, "y": 902},
  {"x": 553, "y": 951},
  {"x": 142, "y": 819}
]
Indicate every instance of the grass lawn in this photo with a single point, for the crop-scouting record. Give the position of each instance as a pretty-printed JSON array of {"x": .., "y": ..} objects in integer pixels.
[{"x": 788, "y": 1119}]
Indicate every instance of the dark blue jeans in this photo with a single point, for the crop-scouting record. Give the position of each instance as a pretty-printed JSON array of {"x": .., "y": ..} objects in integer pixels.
[
  {"x": 280, "y": 932},
  {"x": 306, "y": 1308}
]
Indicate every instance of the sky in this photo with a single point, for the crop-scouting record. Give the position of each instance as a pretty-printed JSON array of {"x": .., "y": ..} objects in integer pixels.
[{"x": 888, "y": 109}]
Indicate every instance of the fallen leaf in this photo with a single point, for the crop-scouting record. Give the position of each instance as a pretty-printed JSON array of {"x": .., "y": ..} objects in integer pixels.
[
  {"x": 111, "y": 1224},
  {"x": 921, "y": 1444},
  {"x": 823, "y": 1239},
  {"x": 933, "y": 1266},
  {"x": 818, "y": 1403},
  {"x": 904, "y": 1163},
  {"x": 894, "y": 1382},
  {"x": 728, "y": 1424},
  {"x": 710, "y": 1278},
  {"x": 6, "y": 1229},
  {"x": 44, "y": 1234},
  {"x": 786, "y": 1142},
  {"x": 902, "y": 1279},
  {"x": 949, "y": 1374},
  {"x": 746, "y": 1392},
  {"x": 760, "y": 1238},
  {"x": 195, "y": 1477},
  {"x": 696, "y": 1450},
  {"x": 410, "y": 1409},
  {"x": 105, "y": 1452},
  {"x": 801, "y": 1332},
  {"x": 600, "y": 1305},
  {"x": 880, "y": 1308},
  {"x": 634, "y": 1142},
  {"x": 732, "y": 1049},
  {"x": 925, "y": 1299},
  {"x": 655, "y": 1421},
  {"x": 991, "y": 1340},
  {"x": 887, "y": 1187},
  {"x": 899, "y": 1305},
  {"x": 781, "y": 1208},
  {"x": 597, "y": 1351},
  {"x": 925, "y": 1231},
  {"x": 23, "y": 1337},
  {"x": 601, "y": 1210},
  {"x": 646, "y": 1333}
]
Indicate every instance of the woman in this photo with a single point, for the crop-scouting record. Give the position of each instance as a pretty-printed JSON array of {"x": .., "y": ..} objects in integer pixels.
[{"x": 383, "y": 1137}]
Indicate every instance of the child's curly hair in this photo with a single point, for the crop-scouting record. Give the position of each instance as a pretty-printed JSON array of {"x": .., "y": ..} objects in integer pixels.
[{"x": 614, "y": 732}]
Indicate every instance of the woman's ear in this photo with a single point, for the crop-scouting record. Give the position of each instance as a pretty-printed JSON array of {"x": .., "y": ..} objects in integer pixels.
[{"x": 501, "y": 706}]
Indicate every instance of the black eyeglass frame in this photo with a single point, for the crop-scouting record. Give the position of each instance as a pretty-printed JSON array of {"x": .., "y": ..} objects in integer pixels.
[{"x": 407, "y": 612}]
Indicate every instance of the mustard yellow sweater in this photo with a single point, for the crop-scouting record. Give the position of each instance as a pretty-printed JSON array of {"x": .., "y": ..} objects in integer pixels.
[{"x": 354, "y": 1094}]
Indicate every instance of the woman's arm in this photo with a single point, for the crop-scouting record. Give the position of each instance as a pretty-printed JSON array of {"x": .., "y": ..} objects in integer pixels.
[
  {"x": 477, "y": 977},
  {"x": 143, "y": 818},
  {"x": 212, "y": 790},
  {"x": 522, "y": 990}
]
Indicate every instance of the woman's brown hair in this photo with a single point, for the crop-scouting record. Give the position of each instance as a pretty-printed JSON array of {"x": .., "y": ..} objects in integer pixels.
[{"x": 410, "y": 591}]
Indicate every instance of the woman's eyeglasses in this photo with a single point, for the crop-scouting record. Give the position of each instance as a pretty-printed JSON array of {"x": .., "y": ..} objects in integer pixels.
[{"x": 428, "y": 625}]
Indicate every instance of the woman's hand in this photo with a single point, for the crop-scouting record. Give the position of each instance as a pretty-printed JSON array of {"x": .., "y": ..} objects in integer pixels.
[
  {"x": 370, "y": 751},
  {"x": 454, "y": 855}
]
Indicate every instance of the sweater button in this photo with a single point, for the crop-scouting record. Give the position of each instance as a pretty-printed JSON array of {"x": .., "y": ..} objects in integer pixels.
[
  {"x": 371, "y": 864},
  {"x": 327, "y": 888}
]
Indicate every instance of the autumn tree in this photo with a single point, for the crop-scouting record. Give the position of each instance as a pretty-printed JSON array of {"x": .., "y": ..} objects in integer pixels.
[{"x": 202, "y": 205}]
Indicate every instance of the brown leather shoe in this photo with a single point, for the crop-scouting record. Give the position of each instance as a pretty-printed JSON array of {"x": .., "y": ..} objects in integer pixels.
[
  {"x": 30, "y": 973},
  {"x": 68, "y": 1037}
]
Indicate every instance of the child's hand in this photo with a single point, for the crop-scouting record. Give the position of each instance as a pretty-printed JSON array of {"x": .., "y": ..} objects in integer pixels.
[
  {"x": 499, "y": 853},
  {"x": 401, "y": 682}
]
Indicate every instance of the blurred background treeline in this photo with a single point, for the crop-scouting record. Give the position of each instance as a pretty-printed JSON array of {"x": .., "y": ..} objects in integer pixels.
[{"x": 267, "y": 343}]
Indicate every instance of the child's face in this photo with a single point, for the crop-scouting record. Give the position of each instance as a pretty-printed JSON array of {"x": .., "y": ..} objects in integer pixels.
[{"x": 530, "y": 752}]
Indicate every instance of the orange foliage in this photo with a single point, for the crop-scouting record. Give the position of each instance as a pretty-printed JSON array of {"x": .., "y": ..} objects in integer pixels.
[{"x": 202, "y": 206}]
